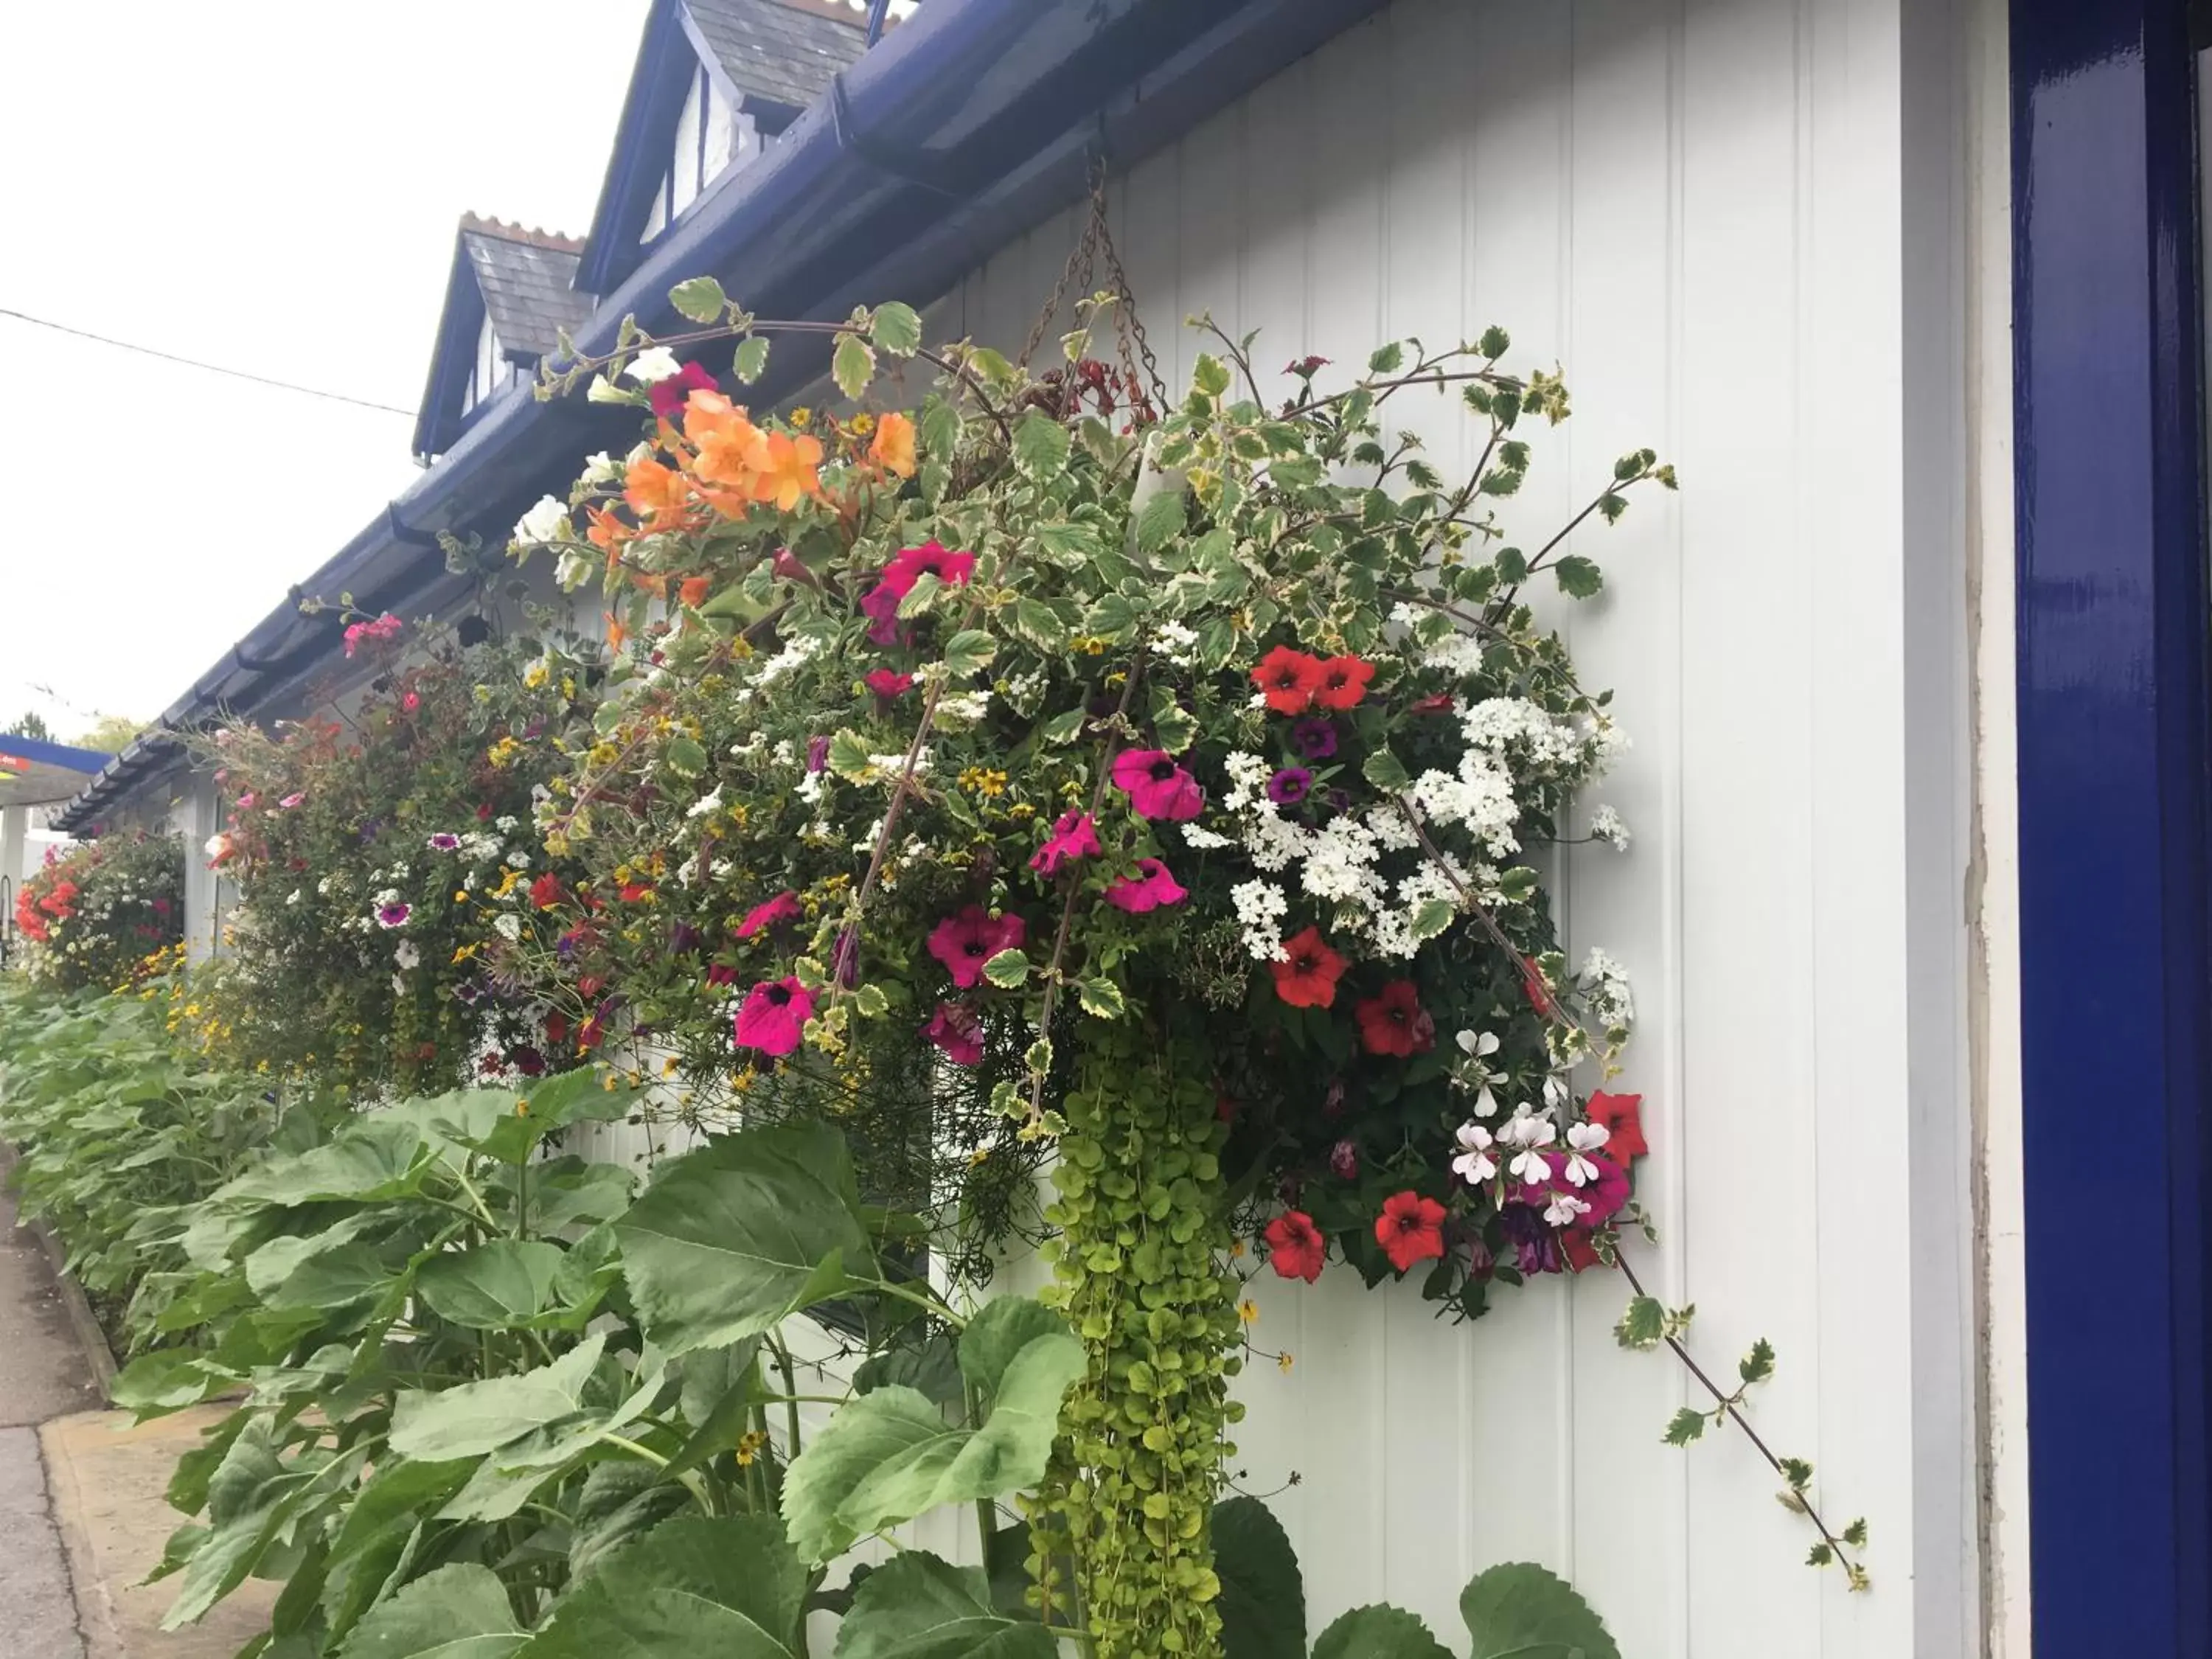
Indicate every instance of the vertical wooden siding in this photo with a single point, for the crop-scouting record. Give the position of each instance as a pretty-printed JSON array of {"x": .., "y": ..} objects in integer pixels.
[{"x": 1693, "y": 207}]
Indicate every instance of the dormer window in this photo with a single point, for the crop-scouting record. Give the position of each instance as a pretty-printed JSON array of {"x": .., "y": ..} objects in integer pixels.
[
  {"x": 713, "y": 133},
  {"x": 510, "y": 294}
]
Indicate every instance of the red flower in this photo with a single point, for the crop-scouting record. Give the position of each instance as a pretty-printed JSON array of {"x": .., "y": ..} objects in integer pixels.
[
  {"x": 784, "y": 907},
  {"x": 634, "y": 891},
  {"x": 556, "y": 1027},
  {"x": 1621, "y": 1116},
  {"x": 545, "y": 891},
  {"x": 1306, "y": 977},
  {"x": 1410, "y": 1229},
  {"x": 1575, "y": 1245},
  {"x": 1540, "y": 994},
  {"x": 773, "y": 1016},
  {"x": 958, "y": 1030},
  {"x": 910, "y": 564},
  {"x": 886, "y": 684},
  {"x": 720, "y": 974},
  {"x": 1290, "y": 677},
  {"x": 1343, "y": 682},
  {"x": 1395, "y": 1023},
  {"x": 1296, "y": 1248},
  {"x": 589, "y": 1033},
  {"x": 667, "y": 395},
  {"x": 1157, "y": 787},
  {"x": 1151, "y": 889},
  {"x": 965, "y": 941},
  {"x": 1440, "y": 703}
]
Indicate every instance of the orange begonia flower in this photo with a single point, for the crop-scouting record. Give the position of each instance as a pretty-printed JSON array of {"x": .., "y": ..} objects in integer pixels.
[
  {"x": 616, "y": 632},
  {"x": 893, "y": 449},
  {"x": 693, "y": 591},
  {"x": 658, "y": 494},
  {"x": 790, "y": 472},
  {"x": 608, "y": 533},
  {"x": 732, "y": 451}
]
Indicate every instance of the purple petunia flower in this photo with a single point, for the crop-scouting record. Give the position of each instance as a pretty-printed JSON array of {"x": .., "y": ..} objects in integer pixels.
[
  {"x": 1289, "y": 786},
  {"x": 1314, "y": 738},
  {"x": 818, "y": 754},
  {"x": 444, "y": 841},
  {"x": 393, "y": 915}
]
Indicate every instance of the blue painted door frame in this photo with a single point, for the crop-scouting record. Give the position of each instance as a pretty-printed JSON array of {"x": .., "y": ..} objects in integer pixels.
[{"x": 2115, "y": 991}]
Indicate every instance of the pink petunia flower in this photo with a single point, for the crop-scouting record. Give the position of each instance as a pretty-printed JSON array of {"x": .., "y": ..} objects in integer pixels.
[
  {"x": 667, "y": 395},
  {"x": 907, "y": 567},
  {"x": 291, "y": 801},
  {"x": 1157, "y": 787},
  {"x": 773, "y": 1016},
  {"x": 886, "y": 684},
  {"x": 1151, "y": 889},
  {"x": 958, "y": 1030},
  {"x": 784, "y": 907},
  {"x": 1075, "y": 835},
  {"x": 970, "y": 937}
]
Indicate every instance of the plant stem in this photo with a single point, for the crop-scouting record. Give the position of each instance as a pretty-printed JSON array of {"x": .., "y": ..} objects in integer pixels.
[{"x": 790, "y": 1395}]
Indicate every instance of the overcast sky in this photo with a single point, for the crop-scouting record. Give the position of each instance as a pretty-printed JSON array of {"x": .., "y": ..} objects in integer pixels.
[{"x": 271, "y": 186}]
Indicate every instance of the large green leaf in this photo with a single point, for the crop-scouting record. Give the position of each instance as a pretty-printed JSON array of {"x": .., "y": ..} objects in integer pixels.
[
  {"x": 396, "y": 1496},
  {"x": 890, "y": 1455},
  {"x": 477, "y": 1417},
  {"x": 251, "y": 1495},
  {"x": 918, "y": 1606},
  {"x": 1263, "y": 1596},
  {"x": 692, "y": 1587},
  {"x": 1002, "y": 1329},
  {"x": 379, "y": 1157},
  {"x": 736, "y": 1236},
  {"x": 1379, "y": 1632},
  {"x": 718, "y": 1388},
  {"x": 1520, "y": 1608},
  {"x": 494, "y": 1286},
  {"x": 167, "y": 1380},
  {"x": 335, "y": 1279},
  {"x": 454, "y": 1613}
]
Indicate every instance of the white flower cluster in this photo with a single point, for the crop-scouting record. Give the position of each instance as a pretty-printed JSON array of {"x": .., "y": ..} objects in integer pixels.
[
  {"x": 1607, "y": 825},
  {"x": 1605, "y": 983}
]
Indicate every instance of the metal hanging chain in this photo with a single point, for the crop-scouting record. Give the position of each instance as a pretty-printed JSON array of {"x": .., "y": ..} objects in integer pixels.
[{"x": 1079, "y": 273}]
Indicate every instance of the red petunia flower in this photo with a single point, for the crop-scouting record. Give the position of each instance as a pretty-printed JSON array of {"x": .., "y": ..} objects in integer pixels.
[
  {"x": 1393, "y": 1022},
  {"x": 545, "y": 891},
  {"x": 1581, "y": 1254},
  {"x": 1440, "y": 703},
  {"x": 1343, "y": 682},
  {"x": 1296, "y": 1248},
  {"x": 667, "y": 395},
  {"x": 784, "y": 907},
  {"x": 1074, "y": 836},
  {"x": 958, "y": 1030},
  {"x": 1410, "y": 1229},
  {"x": 1621, "y": 1116},
  {"x": 1157, "y": 787},
  {"x": 1290, "y": 677},
  {"x": 1151, "y": 889},
  {"x": 556, "y": 1027},
  {"x": 886, "y": 684},
  {"x": 1306, "y": 976},
  {"x": 633, "y": 891},
  {"x": 720, "y": 974},
  {"x": 970, "y": 937},
  {"x": 774, "y": 1015}
]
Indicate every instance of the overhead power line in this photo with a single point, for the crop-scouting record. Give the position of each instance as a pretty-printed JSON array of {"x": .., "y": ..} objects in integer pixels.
[{"x": 194, "y": 362}]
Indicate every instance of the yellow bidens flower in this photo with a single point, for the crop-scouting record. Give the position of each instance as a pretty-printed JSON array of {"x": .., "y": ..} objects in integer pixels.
[
  {"x": 750, "y": 1444},
  {"x": 503, "y": 752},
  {"x": 1249, "y": 1311},
  {"x": 983, "y": 781},
  {"x": 537, "y": 674},
  {"x": 1282, "y": 1362}
]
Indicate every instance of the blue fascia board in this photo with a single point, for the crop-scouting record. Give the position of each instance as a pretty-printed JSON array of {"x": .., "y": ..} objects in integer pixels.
[
  {"x": 967, "y": 125},
  {"x": 452, "y": 356}
]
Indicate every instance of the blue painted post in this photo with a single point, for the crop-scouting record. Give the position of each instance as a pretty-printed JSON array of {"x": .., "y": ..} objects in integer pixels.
[{"x": 2115, "y": 985}]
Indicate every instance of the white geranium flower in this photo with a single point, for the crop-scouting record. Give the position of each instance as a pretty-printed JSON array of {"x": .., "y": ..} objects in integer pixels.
[
  {"x": 1607, "y": 825},
  {"x": 652, "y": 364},
  {"x": 1584, "y": 1138},
  {"x": 544, "y": 522},
  {"x": 1473, "y": 1165},
  {"x": 1480, "y": 1044},
  {"x": 1565, "y": 1211}
]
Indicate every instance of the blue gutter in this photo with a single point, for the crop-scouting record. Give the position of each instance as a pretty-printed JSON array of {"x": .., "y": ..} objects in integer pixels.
[{"x": 967, "y": 125}]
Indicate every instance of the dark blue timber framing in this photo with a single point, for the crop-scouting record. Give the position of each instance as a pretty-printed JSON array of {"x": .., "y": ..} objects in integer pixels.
[{"x": 2116, "y": 988}]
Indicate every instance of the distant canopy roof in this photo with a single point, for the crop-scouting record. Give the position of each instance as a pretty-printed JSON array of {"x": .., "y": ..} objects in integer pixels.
[
  {"x": 783, "y": 52},
  {"x": 35, "y": 773}
]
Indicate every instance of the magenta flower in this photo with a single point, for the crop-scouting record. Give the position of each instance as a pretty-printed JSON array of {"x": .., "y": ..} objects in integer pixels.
[
  {"x": 393, "y": 915},
  {"x": 291, "y": 801},
  {"x": 784, "y": 907},
  {"x": 1289, "y": 786},
  {"x": 910, "y": 564},
  {"x": 717, "y": 974},
  {"x": 1157, "y": 787},
  {"x": 248, "y": 799},
  {"x": 965, "y": 941},
  {"x": 1074, "y": 836},
  {"x": 880, "y": 605},
  {"x": 385, "y": 627},
  {"x": 1151, "y": 889},
  {"x": 1314, "y": 738},
  {"x": 1344, "y": 1160},
  {"x": 958, "y": 1030},
  {"x": 886, "y": 684},
  {"x": 773, "y": 1015},
  {"x": 444, "y": 841},
  {"x": 818, "y": 753}
]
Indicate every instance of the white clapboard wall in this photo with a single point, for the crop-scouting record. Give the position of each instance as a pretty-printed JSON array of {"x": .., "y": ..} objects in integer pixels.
[{"x": 1695, "y": 208}]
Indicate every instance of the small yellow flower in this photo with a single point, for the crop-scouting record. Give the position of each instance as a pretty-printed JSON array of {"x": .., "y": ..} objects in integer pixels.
[
  {"x": 522, "y": 1108},
  {"x": 535, "y": 675},
  {"x": 863, "y": 423},
  {"x": 1282, "y": 1362},
  {"x": 1235, "y": 1248},
  {"x": 1249, "y": 1311},
  {"x": 750, "y": 1444},
  {"x": 983, "y": 781},
  {"x": 802, "y": 417}
]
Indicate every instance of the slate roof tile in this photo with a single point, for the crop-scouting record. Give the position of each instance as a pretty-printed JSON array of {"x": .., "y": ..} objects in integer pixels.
[
  {"x": 784, "y": 53},
  {"x": 526, "y": 277}
]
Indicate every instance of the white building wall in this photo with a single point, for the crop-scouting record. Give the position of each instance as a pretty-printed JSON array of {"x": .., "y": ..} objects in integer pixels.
[{"x": 1699, "y": 209}]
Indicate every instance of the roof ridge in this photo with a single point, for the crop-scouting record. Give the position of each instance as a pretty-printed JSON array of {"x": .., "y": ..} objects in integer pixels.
[{"x": 551, "y": 240}]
